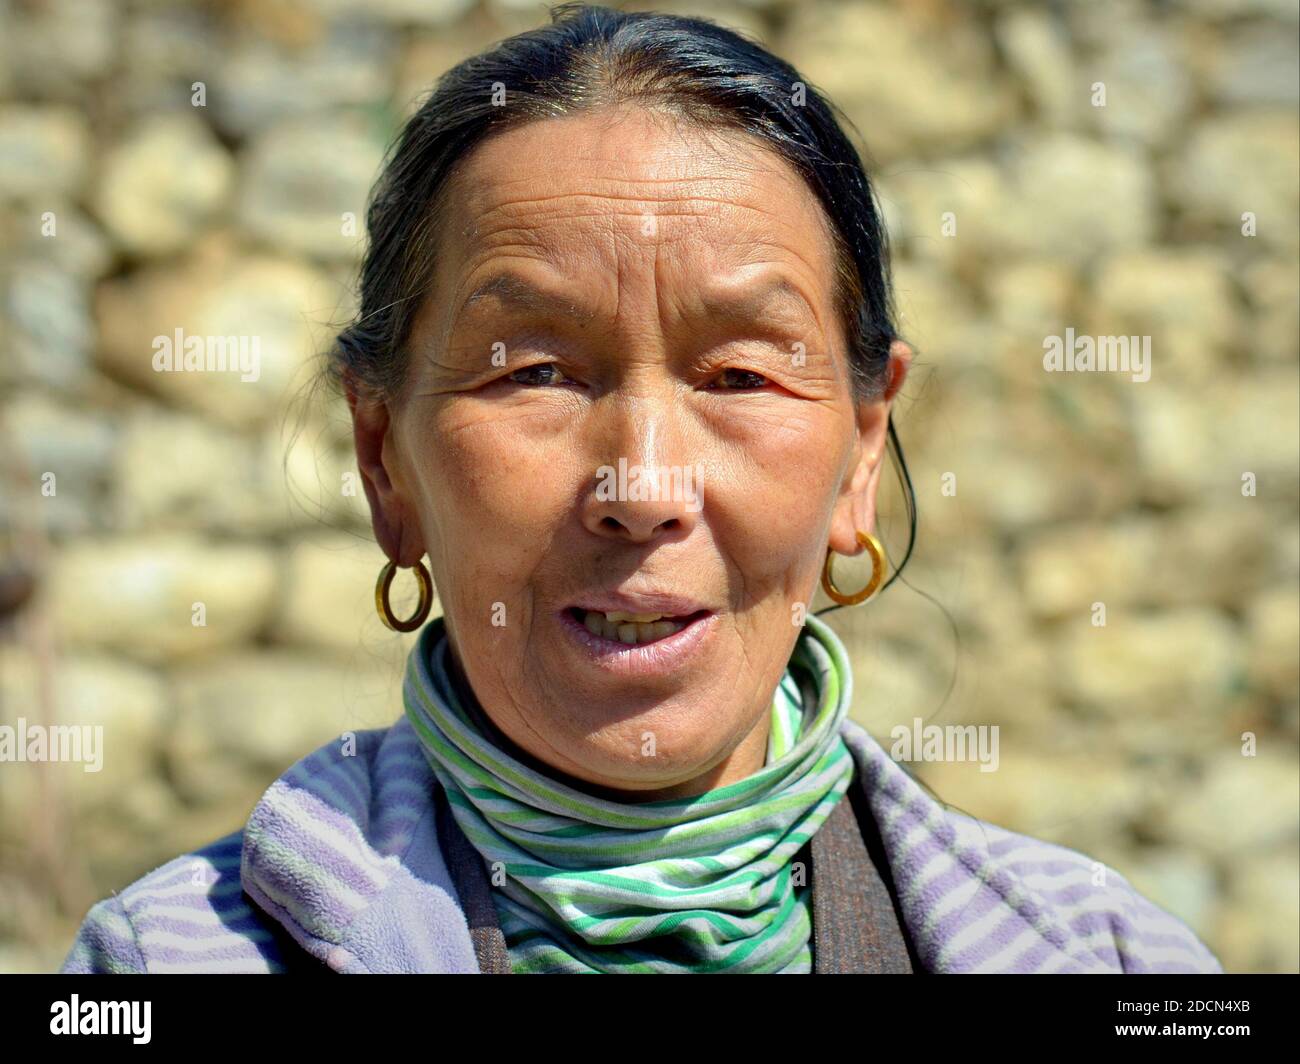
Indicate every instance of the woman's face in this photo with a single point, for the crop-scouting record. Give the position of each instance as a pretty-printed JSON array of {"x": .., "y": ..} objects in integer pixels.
[{"x": 626, "y": 440}]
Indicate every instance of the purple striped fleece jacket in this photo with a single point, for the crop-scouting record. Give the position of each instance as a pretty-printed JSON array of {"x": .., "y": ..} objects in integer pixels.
[{"x": 340, "y": 860}]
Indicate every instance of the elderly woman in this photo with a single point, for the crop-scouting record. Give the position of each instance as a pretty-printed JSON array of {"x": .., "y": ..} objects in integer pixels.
[{"x": 622, "y": 371}]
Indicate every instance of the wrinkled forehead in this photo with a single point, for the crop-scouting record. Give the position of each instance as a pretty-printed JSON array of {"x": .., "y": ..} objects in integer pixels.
[{"x": 604, "y": 192}]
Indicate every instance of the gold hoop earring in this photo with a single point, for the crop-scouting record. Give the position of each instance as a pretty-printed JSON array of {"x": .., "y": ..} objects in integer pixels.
[
  {"x": 386, "y": 575},
  {"x": 877, "y": 552}
]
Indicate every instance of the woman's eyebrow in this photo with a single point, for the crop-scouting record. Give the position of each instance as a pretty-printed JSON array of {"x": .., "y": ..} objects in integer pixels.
[
  {"x": 749, "y": 302},
  {"x": 744, "y": 301},
  {"x": 516, "y": 293}
]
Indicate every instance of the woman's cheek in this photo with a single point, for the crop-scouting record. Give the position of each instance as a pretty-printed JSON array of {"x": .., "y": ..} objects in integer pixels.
[
  {"x": 787, "y": 483},
  {"x": 504, "y": 477}
]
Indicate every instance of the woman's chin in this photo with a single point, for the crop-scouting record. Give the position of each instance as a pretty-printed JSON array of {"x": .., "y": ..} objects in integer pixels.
[
  {"x": 640, "y": 776},
  {"x": 637, "y": 735}
]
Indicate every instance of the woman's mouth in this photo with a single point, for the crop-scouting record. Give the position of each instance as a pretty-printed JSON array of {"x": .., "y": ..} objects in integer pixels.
[
  {"x": 643, "y": 643},
  {"x": 631, "y": 629}
]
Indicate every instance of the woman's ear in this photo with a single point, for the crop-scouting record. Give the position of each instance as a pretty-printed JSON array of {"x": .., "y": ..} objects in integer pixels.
[
  {"x": 855, "y": 510},
  {"x": 391, "y": 513}
]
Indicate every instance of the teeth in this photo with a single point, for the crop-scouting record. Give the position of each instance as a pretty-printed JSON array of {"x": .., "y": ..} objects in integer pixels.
[{"x": 629, "y": 628}]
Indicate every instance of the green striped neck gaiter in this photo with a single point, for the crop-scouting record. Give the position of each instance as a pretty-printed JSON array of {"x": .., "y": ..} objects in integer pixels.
[{"x": 699, "y": 884}]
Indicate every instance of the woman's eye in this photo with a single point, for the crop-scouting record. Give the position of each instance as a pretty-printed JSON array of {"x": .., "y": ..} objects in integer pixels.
[
  {"x": 540, "y": 373},
  {"x": 738, "y": 379}
]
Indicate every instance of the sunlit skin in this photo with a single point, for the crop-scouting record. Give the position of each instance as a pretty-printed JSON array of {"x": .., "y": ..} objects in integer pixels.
[{"x": 657, "y": 241}]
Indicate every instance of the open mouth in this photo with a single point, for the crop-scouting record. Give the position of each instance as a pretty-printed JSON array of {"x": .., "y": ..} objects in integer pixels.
[{"x": 632, "y": 629}]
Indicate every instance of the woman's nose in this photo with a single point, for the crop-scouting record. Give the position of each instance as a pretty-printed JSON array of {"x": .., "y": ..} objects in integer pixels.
[{"x": 637, "y": 496}]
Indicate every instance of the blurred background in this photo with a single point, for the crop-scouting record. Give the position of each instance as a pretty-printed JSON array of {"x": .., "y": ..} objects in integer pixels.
[{"x": 1118, "y": 168}]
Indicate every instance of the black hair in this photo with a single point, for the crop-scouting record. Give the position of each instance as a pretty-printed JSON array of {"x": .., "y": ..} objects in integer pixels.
[{"x": 588, "y": 58}]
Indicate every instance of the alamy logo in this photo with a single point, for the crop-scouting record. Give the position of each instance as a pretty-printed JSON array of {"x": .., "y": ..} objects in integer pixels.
[
  {"x": 102, "y": 1017},
  {"x": 208, "y": 354},
  {"x": 1087, "y": 354},
  {"x": 949, "y": 742},
  {"x": 651, "y": 484},
  {"x": 55, "y": 742}
]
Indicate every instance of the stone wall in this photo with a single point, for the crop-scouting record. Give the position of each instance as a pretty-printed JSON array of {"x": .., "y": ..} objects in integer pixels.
[{"x": 1114, "y": 168}]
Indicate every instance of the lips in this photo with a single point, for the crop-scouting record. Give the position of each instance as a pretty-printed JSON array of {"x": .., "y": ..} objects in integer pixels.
[
  {"x": 637, "y": 649},
  {"x": 632, "y": 628},
  {"x": 642, "y": 602},
  {"x": 639, "y": 633}
]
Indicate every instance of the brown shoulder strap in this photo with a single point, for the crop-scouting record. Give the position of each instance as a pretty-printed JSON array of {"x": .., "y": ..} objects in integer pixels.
[
  {"x": 857, "y": 921},
  {"x": 469, "y": 874}
]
